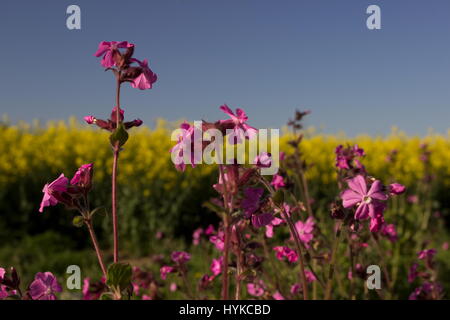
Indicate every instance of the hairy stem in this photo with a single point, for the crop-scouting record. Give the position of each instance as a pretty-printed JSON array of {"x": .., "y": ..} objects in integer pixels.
[
  {"x": 227, "y": 240},
  {"x": 116, "y": 150},
  {"x": 332, "y": 262},
  {"x": 88, "y": 223}
]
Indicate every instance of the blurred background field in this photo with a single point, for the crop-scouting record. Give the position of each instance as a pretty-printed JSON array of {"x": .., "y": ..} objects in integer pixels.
[{"x": 160, "y": 207}]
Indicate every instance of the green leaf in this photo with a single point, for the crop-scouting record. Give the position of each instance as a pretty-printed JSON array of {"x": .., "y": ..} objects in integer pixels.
[
  {"x": 119, "y": 135},
  {"x": 213, "y": 207},
  {"x": 119, "y": 275},
  {"x": 78, "y": 221}
]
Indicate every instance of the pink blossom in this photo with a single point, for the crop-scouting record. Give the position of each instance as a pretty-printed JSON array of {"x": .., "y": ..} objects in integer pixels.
[
  {"x": 263, "y": 160},
  {"x": 282, "y": 156},
  {"x": 196, "y": 236},
  {"x": 305, "y": 230},
  {"x": 210, "y": 230},
  {"x": 427, "y": 254},
  {"x": 180, "y": 257},
  {"x": 89, "y": 119},
  {"x": 216, "y": 266},
  {"x": 376, "y": 223},
  {"x": 396, "y": 188},
  {"x": 368, "y": 202},
  {"x": 51, "y": 191},
  {"x": 165, "y": 270},
  {"x": 185, "y": 143},
  {"x": 389, "y": 231},
  {"x": 277, "y": 182},
  {"x": 278, "y": 296},
  {"x": 310, "y": 277},
  {"x": 256, "y": 289},
  {"x": 44, "y": 286},
  {"x": 83, "y": 176},
  {"x": 412, "y": 199},
  {"x": 269, "y": 228},
  {"x": 108, "y": 49},
  {"x": 146, "y": 297},
  {"x": 286, "y": 252},
  {"x": 2, "y": 273},
  {"x": 238, "y": 123},
  {"x": 295, "y": 288},
  {"x": 445, "y": 246},
  {"x": 146, "y": 79},
  {"x": 173, "y": 287},
  {"x": 218, "y": 240}
]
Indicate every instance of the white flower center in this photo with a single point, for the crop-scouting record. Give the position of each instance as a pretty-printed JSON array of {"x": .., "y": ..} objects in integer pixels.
[{"x": 367, "y": 199}]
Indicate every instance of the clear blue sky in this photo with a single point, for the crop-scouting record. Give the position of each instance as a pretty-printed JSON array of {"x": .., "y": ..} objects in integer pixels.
[{"x": 268, "y": 57}]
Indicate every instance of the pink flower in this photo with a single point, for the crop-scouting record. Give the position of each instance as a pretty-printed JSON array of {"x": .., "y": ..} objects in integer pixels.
[
  {"x": 93, "y": 291},
  {"x": 196, "y": 236},
  {"x": 263, "y": 160},
  {"x": 165, "y": 270},
  {"x": 278, "y": 296},
  {"x": 146, "y": 297},
  {"x": 185, "y": 142},
  {"x": 146, "y": 79},
  {"x": 173, "y": 287},
  {"x": 310, "y": 277},
  {"x": 44, "y": 286},
  {"x": 250, "y": 203},
  {"x": 256, "y": 289},
  {"x": 445, "y": 246},
  {"x": 2, "y": 273},
  {"x": 412, "y": 199},
  {"x": 83, "y": 176},
  {"x": 218, "y": 240},
  {"x": 108, "y": 50},
  {"x": 277, "y": 182},
  {"x": 376, "y": 223},
  {"x": 389, "y": 231},
  {"x": 305, "y": 230},
  {"x": 210, "y": 230},
  {"x": 89, "y": 119},
  {"x": 286, "y": 252},
  {"x": 396, "y": 188},
  {"x": 52, "y": 190},
  {"x": 216, "y": 266},
  {"x": 427, "y": 254},
  {"x": 238, "y": 123},
  {"x": 295, "y": 288},
  {"x": 180, "y": 257},
  {"x": 368, "y": 202},
  {"x": 269, "y": 228}
]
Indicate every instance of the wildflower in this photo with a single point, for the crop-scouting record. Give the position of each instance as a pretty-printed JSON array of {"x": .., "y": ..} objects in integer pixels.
[
  {"x": 285, "y": 252},
  {"x": 147, "y": 77},
  {"x": 368, "y": 202},
  {"x": 165, "y": 270},
  {"x": 305, "y": 230},
  {"x": 173, "y": 287},
  {"x": 376, "y": 223},
  {"x": 52, "y": 190},
  {"x": 427, "y": 254},
  {"x": 310, "y": 277},
  {"x": 109, "y": 51},
  {"x": 445, "y": 246},
  {"x": 218, "y": 240},
  {"x": 44, "y": 286},
  {"x": 146, "y": 297},
  {"x": 93, "y": 290},
  {"x": 180, "y": 257},
  {"x": 2, "y": 273},
  {"x": 396, "y": 188},
  {"x": 185, "y": 143},
  {"x": 277, "y": 182},
  {"x": 196, "y": 236},
  {"x": 412, "y": 199},
  {"x": 83, "y": 176},
  {"x": 216, "y": 266},
  {"x": 278, "y": 296},
  {"x": 269, "y": 227},
  {"x": 250, "y": 203},
  {"x": 210, "y": 230},
  {"x": 389, "y": 231},
  {"x": 256, "y": 289},
  {"x": 428, "y": 291},
  {"x": 263, "y": 160},
  {"x": 295, "y": 288},
  {"x": 238, "y": 123},
  {"x": 89, "y": 119}
]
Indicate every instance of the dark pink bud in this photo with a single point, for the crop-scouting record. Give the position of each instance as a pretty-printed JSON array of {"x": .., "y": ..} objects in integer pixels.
[{"x": 397, "y": 188}]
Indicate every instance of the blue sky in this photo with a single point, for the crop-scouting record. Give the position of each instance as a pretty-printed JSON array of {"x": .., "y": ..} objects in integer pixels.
[{"x": 268, "y": 57}]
